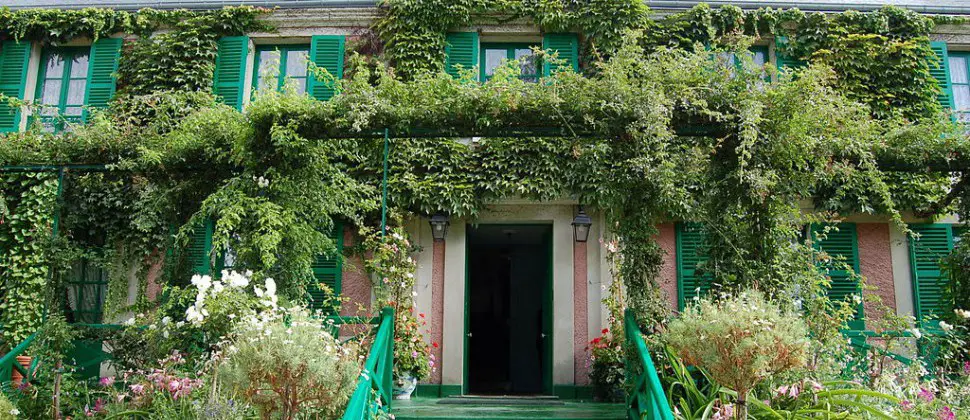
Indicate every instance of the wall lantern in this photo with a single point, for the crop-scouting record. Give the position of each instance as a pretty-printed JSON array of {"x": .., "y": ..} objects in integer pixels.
[
  {"x": 439, "y": 226},
  {"x": 581, "y": 224}
]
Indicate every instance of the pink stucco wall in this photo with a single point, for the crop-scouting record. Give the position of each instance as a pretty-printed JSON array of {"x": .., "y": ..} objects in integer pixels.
[
  {"x": 355, "y": 285},
  {"x": 580, "y": 314},
  {"x": 437, "y": 306},
  {"x": 876, "y": 264},
  {"x": 668, "y": 271}
]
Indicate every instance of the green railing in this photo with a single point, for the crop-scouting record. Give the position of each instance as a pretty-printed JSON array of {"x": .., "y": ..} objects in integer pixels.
[
  {"x": 373, "y": 392},
  {"x": 645, "y": 396},
  {"x": 9, "y": 364}
]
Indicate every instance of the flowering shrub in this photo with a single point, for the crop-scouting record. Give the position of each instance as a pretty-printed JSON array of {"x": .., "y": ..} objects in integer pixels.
[
  {"x": 7, "y": 409},
  {"x": 166, "y": 391},
  {"x": 195, "y": 319},
  {"x": 606, "y": 367},
  {"x": 286, "y": 363},
  {"x": 740, "y": 340},
  {"x": 391, "y": 262}
]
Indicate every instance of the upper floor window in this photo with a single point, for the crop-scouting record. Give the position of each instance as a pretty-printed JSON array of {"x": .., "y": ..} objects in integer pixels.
[
  {"x": 278, "y": 65},
  {"x": 495, "y": 55},
  {"x": 730, "y": 60},
  {"x": 61, "y": 86},
  {"x": 959, "y": 71}
]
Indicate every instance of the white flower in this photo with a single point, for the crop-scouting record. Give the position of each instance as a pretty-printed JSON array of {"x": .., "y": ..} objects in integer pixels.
[
  {"x": 202, "y": 282},
  {"x": 179, "y": 324},
  {"x": 962, "y": 313},
  {"x": 166, "y": 320},
  {"x": 946, "y": 327},
  {"x": 916, "y": 333},
  {"x": 217, "y": 287},
  {"x": 14, "y": 412},
  {"x": 857, "y": 299},
  {"x": 165, "y": 333},
  {"x": 258, "y": 291},
  {"x": 237, "y": 279},
  {"x": 270, "y": 286},
  {"x": 129, "y": 322},
  {"x": 194, "y": 315}
]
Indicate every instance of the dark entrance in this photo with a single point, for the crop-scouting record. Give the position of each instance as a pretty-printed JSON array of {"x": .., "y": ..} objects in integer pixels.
[{"x": 509, "y": 307}]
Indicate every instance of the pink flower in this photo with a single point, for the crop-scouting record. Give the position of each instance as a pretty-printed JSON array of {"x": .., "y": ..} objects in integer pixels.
[
  {"x": 174, "y": 386},
  {"x": 782, "y": 390},
  {"x": 137, "y": 389},
  {"x": 946, "y": 414},
  {"x": 107, "y": 381},
  {"x": 966, "y": 368},
  {"x": 926, "y": 395},
  {"x": 793, "y": 391},
  {"x": 906, "y": 405}
]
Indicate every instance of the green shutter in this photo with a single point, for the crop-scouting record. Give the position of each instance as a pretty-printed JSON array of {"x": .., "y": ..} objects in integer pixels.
[
  {"x": 461, "y": 50},
  {"x": 784, "y": 61},
  {"x": 101, "y": 72},
  {"x": 843, "y": 246},
  {"x": 198, "y": 253},
  {"x": 940, "y": 70},
  {"x": 230, "y": 76},
  {"x": 690, "y": 253},
  {"x": 328, "y": 270},
  {"x": 326, "y": 52},
  {"x": 14, "y": 57},
  {"x": 929, "y": 282},
  {"x": 567, "y": 47}
]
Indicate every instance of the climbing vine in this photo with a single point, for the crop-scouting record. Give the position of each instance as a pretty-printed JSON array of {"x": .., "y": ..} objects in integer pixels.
[{"x": 655, "y": 132}]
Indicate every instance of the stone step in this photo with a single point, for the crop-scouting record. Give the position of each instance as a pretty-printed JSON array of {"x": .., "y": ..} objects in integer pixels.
[{"x": 504, "y": 408}]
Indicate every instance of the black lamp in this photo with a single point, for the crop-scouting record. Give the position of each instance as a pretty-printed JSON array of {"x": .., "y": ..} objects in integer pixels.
[
  {"x": 439, "y": 226},
  {"x": 581, "y": 224}
]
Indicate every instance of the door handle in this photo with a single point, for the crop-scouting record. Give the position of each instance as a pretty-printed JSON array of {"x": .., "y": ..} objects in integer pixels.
[{"x": 543, "y": 335}]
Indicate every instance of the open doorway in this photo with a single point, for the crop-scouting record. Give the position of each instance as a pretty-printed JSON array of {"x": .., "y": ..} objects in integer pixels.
[{"x": 509, "y": 310}]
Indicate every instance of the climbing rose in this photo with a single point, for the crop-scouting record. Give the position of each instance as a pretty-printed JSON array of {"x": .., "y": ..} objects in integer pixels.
[{"x": 946, "y": 414}]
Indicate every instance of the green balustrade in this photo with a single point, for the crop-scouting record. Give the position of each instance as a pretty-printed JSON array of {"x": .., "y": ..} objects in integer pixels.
[
  {"x": 8, "y": 363},
  {"x": 645, "y": 397},
  {"x": 373, "y": 392}
]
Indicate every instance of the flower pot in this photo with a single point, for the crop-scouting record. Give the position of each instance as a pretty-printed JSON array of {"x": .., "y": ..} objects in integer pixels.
[
  {"x": 15, "y": 377},
  {"x": 404, "y": 387}
]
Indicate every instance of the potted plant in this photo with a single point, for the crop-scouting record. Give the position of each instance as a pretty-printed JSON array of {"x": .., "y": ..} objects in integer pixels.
[{"x": 412, "y": 356}]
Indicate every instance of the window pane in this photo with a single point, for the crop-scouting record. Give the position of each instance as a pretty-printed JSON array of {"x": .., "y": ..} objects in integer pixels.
[
  {"x": 759, "y": 58},
  {"x": 79, "y": 68},
  {"x": 296, "y": 63},
  {"x": 75, "y": 92},
  {"x": 73, "y": 110},
  {"x": 961, "y": 97},
  {"x": 55, "y": 66},
  {"x": 300, "y": 85},
  {"x": 493, "y": 59},
  {"x": 958, "y": 69},
  {"x": 52, "y": 92},
  {"x": 269, "y": 69},
  {"x": 527, "y": 61}
]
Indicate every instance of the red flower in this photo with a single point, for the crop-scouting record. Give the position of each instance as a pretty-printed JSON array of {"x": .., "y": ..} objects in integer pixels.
[
  {"x": 435, "y": 344},
  {"x": 596, "y": 340},
  {"x": 605, "y": 330}
]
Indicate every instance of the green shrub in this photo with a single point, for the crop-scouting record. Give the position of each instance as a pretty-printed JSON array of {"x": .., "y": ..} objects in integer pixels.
[
  {"x": 7, "y": 409},
  {"x": 287, "y": 364},
  {"x": 740, "y": 341}
]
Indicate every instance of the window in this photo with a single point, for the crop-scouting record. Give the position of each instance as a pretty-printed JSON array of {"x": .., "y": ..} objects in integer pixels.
[
  {"x": 281, "y": 64},
  {"x": 759, "y": 57},
  {"x": 87, "y": 289},
  {"x": 960, "y": 78},
  {"x": 495, "y": 55},
  {"x": 61, "y": 86}
]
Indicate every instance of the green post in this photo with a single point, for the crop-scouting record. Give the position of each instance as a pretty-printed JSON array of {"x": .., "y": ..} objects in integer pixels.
[
  {"x": 388, "y": 368},
  {"x": 387, "y": 152}
]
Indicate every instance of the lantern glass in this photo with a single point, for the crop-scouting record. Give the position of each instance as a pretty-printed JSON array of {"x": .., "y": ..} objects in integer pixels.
[
  {"x": 581, "y": 224},
  {"x": 439, "y": 227}
]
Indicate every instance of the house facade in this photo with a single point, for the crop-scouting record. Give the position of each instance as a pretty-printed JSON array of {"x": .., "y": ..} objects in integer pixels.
[{"x": 513, "y": 297}]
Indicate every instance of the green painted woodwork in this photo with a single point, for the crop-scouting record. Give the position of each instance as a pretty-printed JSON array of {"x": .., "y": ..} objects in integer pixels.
[
  {"x": 567, "y": 48},
  {"x": 510, "y": 51},
  {"x": 87, "y": 287},
  {"x": 373, "y": 391},
  {"x": 102, "y": 67},
  {"x": 929, "y": 281},
  {"x": 230, "y": 74},
  {"x": 62, "y": 85},
  {"x": 326, "y": 52},
  {"x": 644, "y": 394},
  {"x": 461, "y": 52},
  {"x": 281, "y": 72},
  {"x": 691, "y": 252},
  {"x": 447, "y": 409},
  {"x": 327, "y": 270},
  {"x": 14, "y": 60},
  {"x": 958, "y": 71},
  {"x": 784, "y": 61},
  {"x": 198, "y": 254},
  {"x": 940, "y": 70},
  {"x": 436, "y": 391},
  {"x": 8, "y": 363},
  {"x": 573, "y": 392},
  {"x": 842, "y": 245}
]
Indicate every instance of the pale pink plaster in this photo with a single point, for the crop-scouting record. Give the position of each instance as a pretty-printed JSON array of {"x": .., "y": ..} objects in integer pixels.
[
  {"x": 355, "y": 285},
  {"x": 580, "y": 317},
  {"x": 667, "y": 240},
  {"x": 437, "y": 305},
  {"x": 876, "y": 264}
]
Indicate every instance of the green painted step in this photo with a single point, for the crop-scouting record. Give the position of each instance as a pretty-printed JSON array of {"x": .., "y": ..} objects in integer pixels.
[{"x": 455, "y": 409}]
